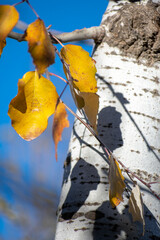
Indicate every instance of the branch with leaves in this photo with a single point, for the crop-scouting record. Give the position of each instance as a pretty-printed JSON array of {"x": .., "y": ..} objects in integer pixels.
[
  {"x": 95, "y": 33},
  {"x": 37, "y": 98}
]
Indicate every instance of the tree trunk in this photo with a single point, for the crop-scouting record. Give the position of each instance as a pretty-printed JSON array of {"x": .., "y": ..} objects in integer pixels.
[{"x": 128, "y": 71}]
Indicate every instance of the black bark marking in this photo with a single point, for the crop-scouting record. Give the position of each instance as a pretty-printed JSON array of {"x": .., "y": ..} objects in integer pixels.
[
  {"x": 93, "y": 215},
  {"x": 138, "y": 152},
  {"x": 81, "y": 229},
  {"x": 145, "y": 115},
  {"x": 154, "y": 92}
]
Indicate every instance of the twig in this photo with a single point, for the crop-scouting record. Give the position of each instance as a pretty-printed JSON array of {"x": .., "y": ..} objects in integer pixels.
[
  {"x": 18, "y": 3},
  {"x": 32, "y": 8},
  {"x": 96, "y": 33},
  {"x": 53, "y": 74},
  {"x": 153, "y": 182},
  {"x": 59, "y": 98},
  {"x": 135, "y": 175}
]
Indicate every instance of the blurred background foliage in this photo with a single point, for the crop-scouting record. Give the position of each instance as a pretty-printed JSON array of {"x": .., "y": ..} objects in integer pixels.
[{"x": 28, "y": 195}]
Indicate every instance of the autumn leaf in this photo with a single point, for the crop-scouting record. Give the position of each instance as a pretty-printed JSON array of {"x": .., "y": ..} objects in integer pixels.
[
  {"x": 40, "y": 46},
  {"x": 91, "y": 105},
  {"x": 59, "y": 123},
  {"x": 136, "y": 206},
  {"x": 8, "y": 19},
  {"x": 116, "y": 181},
  {"x": 2, "y": 45},
  {"x": 81, "y": 66},
  {"x": 79, "y": 101},
  {"x": 34, "y": 103}
]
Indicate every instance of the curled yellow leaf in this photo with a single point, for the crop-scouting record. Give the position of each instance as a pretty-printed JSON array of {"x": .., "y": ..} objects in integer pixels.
[
  {"x": 81, "y": 66},
  {"x": 116, "y": 181},
  {"x": 40, "y": 46},
  {"x": 8, "y": 19},
  {"x": 34, "y": 103},
  {"x": 59, "y": 123}
]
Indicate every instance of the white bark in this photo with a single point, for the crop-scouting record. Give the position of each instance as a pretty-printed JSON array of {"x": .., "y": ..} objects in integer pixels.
[{"x": 129, "y": 124}]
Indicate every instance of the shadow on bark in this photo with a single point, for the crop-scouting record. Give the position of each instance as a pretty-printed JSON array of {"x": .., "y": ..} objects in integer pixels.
[
  {"x": 109, "y": 131},
  {"x": 122, "y": 100},
  {"x": 84, "y": 178},
  {"x": 120, "y": 226}
]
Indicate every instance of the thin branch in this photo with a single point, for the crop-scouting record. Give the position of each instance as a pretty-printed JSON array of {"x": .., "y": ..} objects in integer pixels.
[
  {"x": 140, "y": 179},
  {"x": 53, "y": 74},
  {"x": 32, "y": 8},
  {"x": 152, "y": 183},
  {"x": 96, "y": 33},
  {"x": 53, "y": 38},
  {"x": 18, "y": 3}
]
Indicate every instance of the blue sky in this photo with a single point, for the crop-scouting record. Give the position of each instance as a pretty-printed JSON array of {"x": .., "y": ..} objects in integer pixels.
[{"x": 35, "y": 160}]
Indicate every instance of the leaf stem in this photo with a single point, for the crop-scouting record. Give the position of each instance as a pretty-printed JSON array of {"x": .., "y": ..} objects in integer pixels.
[
  {"x": 15, "y": 4},
  {"x": 54, "y": 37},
  {"x": 53, "y": 74},
  {"x": 27, "y": 1}
]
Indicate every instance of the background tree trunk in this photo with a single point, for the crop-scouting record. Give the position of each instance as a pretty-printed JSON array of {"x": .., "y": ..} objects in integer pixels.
[{"x": 128, "y": 71}]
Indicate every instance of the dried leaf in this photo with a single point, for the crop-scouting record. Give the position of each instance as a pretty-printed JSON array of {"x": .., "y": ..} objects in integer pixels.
[
  {"x": 34, "y": 103},
  {"x": 2, "y": 45},
  {"x": 59, "y": 123},
  {"x": 77, "y": 98},
  {"x": 116, "y": 181},
  {"x": 136, "y": 206},
  {"x": 91, "y": 105},
  {"x": 40, "y": 46},
  {"x": 81, "y": 66},
  {"x": 8, "y": 19}
]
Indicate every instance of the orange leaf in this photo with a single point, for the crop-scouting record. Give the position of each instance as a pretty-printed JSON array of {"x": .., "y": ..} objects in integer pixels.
[
  {"x": 59, "y": 123},
  {"x": 40, "y": 46},
  {"x": 81, "y": 66},
  {"x": 8, "y": 19},
  {"x": 116, "y": 181},
  {"x": 34, "y": 103},
  {"x": 2, "y": 45}
]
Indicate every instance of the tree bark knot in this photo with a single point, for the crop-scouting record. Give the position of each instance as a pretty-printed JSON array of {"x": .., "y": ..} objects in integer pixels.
[{"x": 135, "y": 30}]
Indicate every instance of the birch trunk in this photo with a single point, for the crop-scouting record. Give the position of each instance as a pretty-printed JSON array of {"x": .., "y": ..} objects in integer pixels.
[{"x": 128, "y": 75}]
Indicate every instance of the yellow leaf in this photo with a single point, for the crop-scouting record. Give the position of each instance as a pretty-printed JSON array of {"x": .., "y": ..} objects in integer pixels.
[
  {"x": 116, "y": 181},
  {"x": 136, "y": 206},
  {"x": 59, "y": 123},
  {"x": 40, "y": 46},
  {"x": 8, "y": 19},
  {"x": 34, "y": 103},
  {"x": 91, "y": 105},
  {"x": 2, "y": 45},
  {"x": 81, "y": 66}
]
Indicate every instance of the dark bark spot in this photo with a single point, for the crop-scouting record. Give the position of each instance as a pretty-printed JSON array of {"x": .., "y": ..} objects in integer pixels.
[{"x": 93, "y": 215}]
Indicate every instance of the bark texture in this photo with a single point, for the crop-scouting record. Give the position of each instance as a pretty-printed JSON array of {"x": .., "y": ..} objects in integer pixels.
[{"x": 128, "y": 75}]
